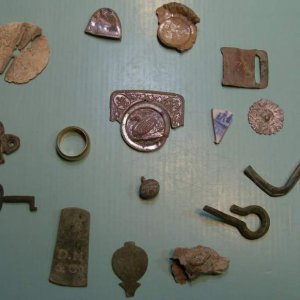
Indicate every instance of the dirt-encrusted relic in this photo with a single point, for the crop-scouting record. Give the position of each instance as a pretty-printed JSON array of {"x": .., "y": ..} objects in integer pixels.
[
  {"x": 271, "y": 190},
  {"x": 9, "y": 143},
  {"x": 130, "y": 263},
  {"x": 105, "y": 23},
  {"x": 146, "y": 117},
  {"x": 70, "y": 259},
  {"x": 265, "y": 117},
  {"x": 189, "y": 263},
  {"x": 149, "y": 188},
  {"x": 34, "y": 51},
  {"x": 241, "y": 225},
  {"x": 177, "y": 26},
  {"x": 239, "y": 68},
  {"x": 17, "y": 199}
]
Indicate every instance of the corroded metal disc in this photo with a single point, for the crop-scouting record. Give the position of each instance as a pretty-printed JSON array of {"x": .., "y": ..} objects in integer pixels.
[
  {"x": 34, "y": 51},
  {"x": 177, "y": 26},
  {"x": 265, "y": 117},
  {"x": 70, "y": 260}
]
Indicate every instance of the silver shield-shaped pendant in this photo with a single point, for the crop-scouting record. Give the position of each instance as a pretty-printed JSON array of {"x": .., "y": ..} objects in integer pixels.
[{"x": 70, "y": 259}]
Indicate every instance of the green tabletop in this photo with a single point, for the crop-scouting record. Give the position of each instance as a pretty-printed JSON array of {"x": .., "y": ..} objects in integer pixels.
[{"x": 193, "y": 172}]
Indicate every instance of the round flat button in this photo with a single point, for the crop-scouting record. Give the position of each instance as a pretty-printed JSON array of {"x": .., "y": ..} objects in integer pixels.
[{"x": 72, "y": 154}]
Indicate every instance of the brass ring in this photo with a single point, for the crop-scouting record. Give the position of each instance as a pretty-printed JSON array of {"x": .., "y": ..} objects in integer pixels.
[{"x": 85, "y": 138}]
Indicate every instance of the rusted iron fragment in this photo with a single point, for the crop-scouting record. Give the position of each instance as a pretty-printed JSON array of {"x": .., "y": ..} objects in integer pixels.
[
  {"x": 189, "y": 263},
  {"x": 265, "y": 117},
  {"x": 70, "y": 259},
  {"x": 239, "y": 68},
  {"x": 240, "y": 225},
  {"x": 105, "y": 23},
  {"x": 17, "y": 199},
  {"x": 9, "y": 143},
  {"x": 177, "y": 26},
  {"x": 33, "y": 47},
  {"x": 149, "y": 188},
  {"x": 146, "y": 117},
  {"x": 272, "y": 190},
  {"x": 130, "y": 263}
]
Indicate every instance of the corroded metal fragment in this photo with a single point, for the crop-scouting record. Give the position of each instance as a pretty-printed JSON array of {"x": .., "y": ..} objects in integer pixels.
[
  {"x": 9, "y": 143},
  {"x": 149, "y": 188},
  {"x": 265, "y": 117},
  {"x": 239, "y": 68},
  {"x": 70, "y": 259},
  {"x": 177, "y": 26},
  {"x": 130, "y": 263},
  {"x": 189, "y": 263},
  {"x": 240, "y": 225},
  {"x": 33, "y": 47},
  {"x": 272, "y": 190},
  {"x": 105, "y": 23},
  {"x": 146, "y": 117},
  {"x": 17, "y": 199}
]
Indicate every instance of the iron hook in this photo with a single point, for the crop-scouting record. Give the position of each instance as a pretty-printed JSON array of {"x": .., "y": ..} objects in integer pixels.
[
  {"x": 271, "y": 190},
  {"x": 240, "y": 225}
]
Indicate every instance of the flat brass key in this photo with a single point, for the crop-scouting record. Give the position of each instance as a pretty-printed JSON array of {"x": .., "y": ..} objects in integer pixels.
[{"x": 17, "y": 199}]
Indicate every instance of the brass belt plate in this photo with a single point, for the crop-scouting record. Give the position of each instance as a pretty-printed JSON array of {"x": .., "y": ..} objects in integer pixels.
[
  {"x": 239, "y": 68},
  {"x": 146, "y": 117}
]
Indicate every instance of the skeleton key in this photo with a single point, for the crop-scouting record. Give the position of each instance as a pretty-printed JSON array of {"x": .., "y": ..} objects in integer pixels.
[{"x": 17, "y": 199}]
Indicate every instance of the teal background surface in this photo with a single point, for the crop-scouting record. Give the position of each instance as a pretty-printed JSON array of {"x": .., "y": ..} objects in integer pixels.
[{"x": 74, "y": 90}]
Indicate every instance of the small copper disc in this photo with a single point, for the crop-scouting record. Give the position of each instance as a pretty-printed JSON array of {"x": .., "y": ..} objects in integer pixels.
[{"x": 265, "y": 117}]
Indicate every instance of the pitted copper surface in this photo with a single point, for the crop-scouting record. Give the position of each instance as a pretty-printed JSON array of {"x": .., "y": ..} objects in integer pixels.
[
  {"x": 146, "y": 117},
  {"x": 177, "y": 26}
]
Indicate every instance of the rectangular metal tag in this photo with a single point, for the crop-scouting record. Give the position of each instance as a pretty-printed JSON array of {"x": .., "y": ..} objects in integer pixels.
[{"x": 70, "y": 259}]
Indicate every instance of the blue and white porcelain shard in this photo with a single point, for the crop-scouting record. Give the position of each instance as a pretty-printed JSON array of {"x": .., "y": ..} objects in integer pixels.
[{"x": 221, "y": 121}]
